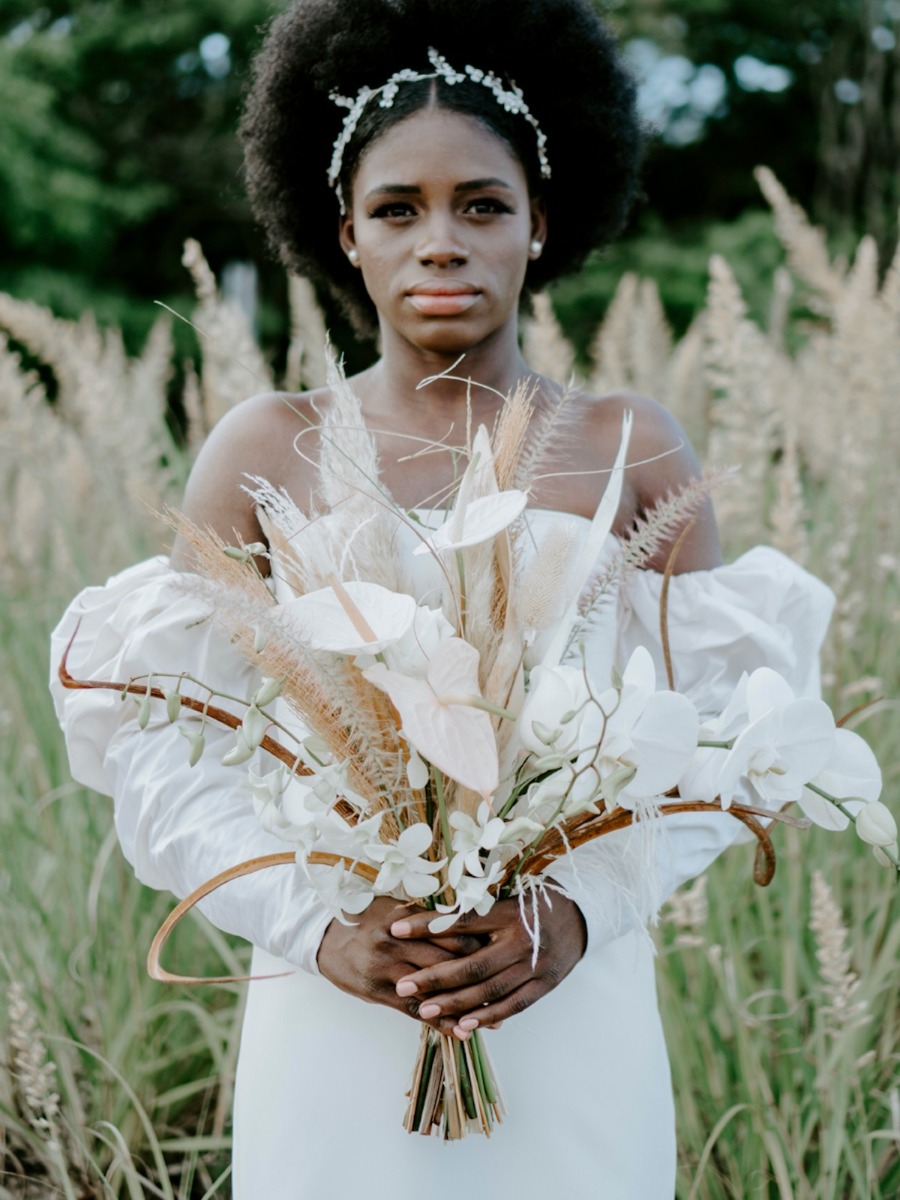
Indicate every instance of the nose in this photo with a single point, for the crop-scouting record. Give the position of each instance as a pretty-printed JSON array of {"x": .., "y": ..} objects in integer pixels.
[{"x": 441, "y": 243}]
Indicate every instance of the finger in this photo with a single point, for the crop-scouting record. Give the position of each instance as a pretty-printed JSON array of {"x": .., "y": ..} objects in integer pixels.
[
  {"x": 468, "y": 1002},
  {"x": 416, "y": 924},
  {"x": 510, "y": 1006},
  {"x": 457, "y": 972}
]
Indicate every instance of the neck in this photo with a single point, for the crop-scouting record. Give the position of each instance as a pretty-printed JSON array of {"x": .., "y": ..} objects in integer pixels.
[{"x": 494, "y": 366}]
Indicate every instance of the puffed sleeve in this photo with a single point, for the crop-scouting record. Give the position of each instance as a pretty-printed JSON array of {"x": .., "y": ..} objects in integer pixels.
[
  {"x": 178, "y": 825},
  {"x": 762, "y": 610}
]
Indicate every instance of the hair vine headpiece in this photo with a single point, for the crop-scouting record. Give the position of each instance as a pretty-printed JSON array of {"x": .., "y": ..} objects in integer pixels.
[{"x": 508, "y": 96}]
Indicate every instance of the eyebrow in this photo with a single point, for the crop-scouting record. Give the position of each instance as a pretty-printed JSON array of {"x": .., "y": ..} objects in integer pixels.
[{"x": 411, "y": 189}]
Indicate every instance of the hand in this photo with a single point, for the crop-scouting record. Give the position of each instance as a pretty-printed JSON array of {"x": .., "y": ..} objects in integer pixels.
[
  {"x": 365, "y": 960},
  {"x": 496, "y": 981}
]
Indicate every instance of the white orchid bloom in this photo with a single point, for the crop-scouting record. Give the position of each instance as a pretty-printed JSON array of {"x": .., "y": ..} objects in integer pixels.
[
  {"x": 338, "y": 836},
  {"x": 787, "y": 743},
  {"x": 700, "y": 779},
  {"x": 875, "y": 824},
  {"x": 554, "y": 693},
  {"x": 655, "y": 733},
  {"x": 470, "y": 837},
  {"x": 340, "y": 889},
  {"x": 851, "y": 775},
  {"x": 472, "y": 895},
  {"x": 281, "y": 804},
  {"x": 348, "y": 618},
  {"x": 402, "y": 864},
  {"x": 438, "y": 718}
]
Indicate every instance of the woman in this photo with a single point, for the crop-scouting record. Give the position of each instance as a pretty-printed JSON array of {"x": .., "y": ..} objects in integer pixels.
[{"x": 430, "y": 196}]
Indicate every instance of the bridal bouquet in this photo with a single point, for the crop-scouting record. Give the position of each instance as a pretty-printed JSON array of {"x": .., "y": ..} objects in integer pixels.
[{"x": 436, "y": 729}]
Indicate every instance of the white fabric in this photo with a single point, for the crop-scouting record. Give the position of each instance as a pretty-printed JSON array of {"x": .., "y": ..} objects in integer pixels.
[{"x": 322, "y": 1077}]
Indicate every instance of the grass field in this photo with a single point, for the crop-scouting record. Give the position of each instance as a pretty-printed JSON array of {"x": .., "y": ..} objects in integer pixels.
[{"x": 782, "y": 1005}]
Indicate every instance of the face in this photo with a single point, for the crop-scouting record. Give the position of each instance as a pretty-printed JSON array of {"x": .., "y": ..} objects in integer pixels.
[{"x": 443, "y": 225}]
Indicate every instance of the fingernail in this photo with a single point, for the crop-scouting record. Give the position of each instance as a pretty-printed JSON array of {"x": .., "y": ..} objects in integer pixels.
[
  {"x": 401, "y": 929},
  {"x": 429, "y": 1010},
  {"x": 469, "y": 1023},
  {"x": 406, "y": 987},
  {"x": 462, "y": 1034}
]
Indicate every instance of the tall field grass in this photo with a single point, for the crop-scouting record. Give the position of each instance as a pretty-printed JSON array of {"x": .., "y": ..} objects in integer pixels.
[{"x": 782, "y": 1005}]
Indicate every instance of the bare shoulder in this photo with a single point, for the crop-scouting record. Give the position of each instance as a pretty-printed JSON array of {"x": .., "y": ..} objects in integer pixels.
[
  {"x": 259, "y": 437},
  {"x": 662, "y": 461}
]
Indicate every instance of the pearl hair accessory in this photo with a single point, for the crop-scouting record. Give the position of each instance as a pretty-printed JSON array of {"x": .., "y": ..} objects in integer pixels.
[{"x": 509, "y": 98}]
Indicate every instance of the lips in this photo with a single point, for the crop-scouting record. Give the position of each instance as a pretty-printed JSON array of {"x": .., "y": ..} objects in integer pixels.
[{"x": 448, "y": 298}]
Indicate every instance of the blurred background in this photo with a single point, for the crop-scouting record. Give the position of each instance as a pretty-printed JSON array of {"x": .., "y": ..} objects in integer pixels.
[
  {"x": 118, "y": 142},
  {"x": 770, "y": 335}
]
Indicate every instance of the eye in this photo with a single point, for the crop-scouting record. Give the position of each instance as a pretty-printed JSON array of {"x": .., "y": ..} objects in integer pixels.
[
  {"x": 487, "y": 206},
  {"x": 393, "y": 210}
]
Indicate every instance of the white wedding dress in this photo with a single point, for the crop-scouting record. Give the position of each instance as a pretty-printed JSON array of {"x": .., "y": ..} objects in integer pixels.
[{"x": 322, "y": 1076}]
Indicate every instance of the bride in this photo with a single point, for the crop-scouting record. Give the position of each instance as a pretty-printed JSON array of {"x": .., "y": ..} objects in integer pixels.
[{"x": 431, "y": 164}]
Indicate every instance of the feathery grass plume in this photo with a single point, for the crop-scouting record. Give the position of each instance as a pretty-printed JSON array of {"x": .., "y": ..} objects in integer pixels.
[
  {"x": 325, "y": 543},
  {"x": 550, "y": 430},
  {"x": 114, "y": 404},
  {"x": 686, "y": 394},
  {"x": 36, "y": 448},
  {"x": 544, "y": 345},
  {"x": 651, "y": 343},
  {"x": 788, "y": 513},
  {"x": 610, "y": 350},
  {"x": 542, "y": 587},
  {"x": 511, "y": 434},
  {"x": 806, "y": 247},
  {"x": 350, "y": 715},
  {"x": 35, "y": 1074},
  {"x": 780, "y": 306},
  {"x": 232, "y": 367},
  {"x": 307, "y": 365},
  {"x": 688, "y": 911},
  {"x": 839, "y": 984},
  {"x": 655, "y": 529},
  {"x": 192, "y": 405},
  {"x": 743, "y": 371}
]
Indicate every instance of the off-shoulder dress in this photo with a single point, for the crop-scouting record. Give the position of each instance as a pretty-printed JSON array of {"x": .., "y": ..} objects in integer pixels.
[{"x": 322, "y": 1076}]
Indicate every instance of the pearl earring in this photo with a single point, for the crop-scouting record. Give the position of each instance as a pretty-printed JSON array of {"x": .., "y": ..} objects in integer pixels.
[
  {"x": 353, "y": 256},
  {"x": 536, "y": 247}
]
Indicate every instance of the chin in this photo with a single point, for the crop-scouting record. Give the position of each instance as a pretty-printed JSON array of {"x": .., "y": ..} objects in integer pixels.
[{"x": 449, "y": 336}]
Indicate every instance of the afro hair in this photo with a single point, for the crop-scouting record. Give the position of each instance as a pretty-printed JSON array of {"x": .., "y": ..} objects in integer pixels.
[{"x": 558, "y": 52}]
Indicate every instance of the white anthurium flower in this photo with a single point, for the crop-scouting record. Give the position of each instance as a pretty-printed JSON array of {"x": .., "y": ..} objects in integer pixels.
[
  {"x": 787, "y": 743},
  {"x": 411, "y": 653},
  {"x": 851, "y": 775},
  {"x": 480, "y": 521},
  {"x": 438, "y": 718},
  {"x": 554, "y": 693},
  {"x": 472, "y": 895},
  {"x": 349, "y": 618},
  {"x": 340, "y": 889},
  {"x": 875, "y": 824},
  {"x": 402, "y": 864}
]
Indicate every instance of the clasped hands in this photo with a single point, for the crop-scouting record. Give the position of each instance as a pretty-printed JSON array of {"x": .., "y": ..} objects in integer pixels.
[{"x": 477, "y": 974}]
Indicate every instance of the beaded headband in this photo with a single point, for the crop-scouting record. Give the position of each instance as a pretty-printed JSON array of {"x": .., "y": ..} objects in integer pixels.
[{"x": 509, "y": 98}]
